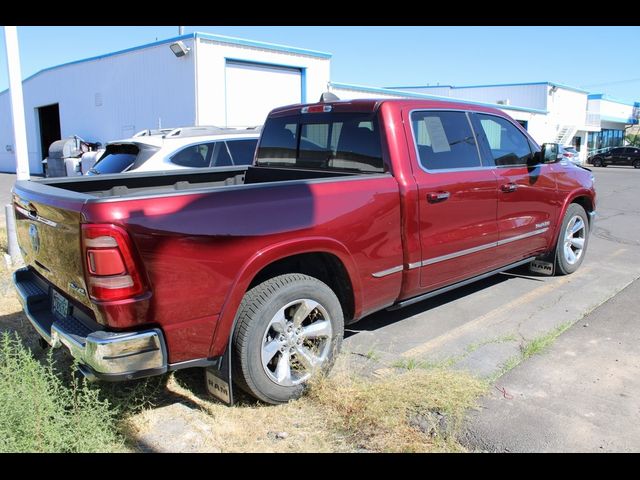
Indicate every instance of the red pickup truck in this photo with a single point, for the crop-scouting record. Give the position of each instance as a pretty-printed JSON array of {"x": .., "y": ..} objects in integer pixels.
[{"x": 349, "y": 207}]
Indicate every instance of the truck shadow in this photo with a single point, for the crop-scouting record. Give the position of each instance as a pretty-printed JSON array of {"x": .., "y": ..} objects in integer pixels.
[{"x": 384, "y": 318}]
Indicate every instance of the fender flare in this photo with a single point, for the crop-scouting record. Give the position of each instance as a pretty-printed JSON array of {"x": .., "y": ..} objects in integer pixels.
[
  {"x": 265, "y": 257},
  {"x": 569, "y": 199}
]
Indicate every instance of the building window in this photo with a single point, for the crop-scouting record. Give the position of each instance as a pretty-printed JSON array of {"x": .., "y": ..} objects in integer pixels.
[{"x": 606, "y": 138}]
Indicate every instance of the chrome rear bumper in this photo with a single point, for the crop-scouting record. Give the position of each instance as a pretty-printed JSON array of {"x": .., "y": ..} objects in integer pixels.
[{"x": 102, "y": 354}]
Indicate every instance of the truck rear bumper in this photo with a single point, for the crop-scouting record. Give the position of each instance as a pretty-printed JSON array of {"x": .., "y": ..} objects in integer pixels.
[{"x": 102, "y": 354}]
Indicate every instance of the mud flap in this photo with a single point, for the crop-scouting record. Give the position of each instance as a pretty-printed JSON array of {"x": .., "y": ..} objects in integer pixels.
[
  {"x": 544, "y": 265},
  {"x": 218, "y": 378}
]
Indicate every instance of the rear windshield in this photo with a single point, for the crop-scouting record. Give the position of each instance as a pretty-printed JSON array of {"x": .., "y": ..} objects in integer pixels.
[
  {"x": 327, "y": 141},
  {"x": 119, "y": 158}
]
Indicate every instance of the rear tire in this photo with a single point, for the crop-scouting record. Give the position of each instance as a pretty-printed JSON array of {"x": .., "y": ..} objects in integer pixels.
[
  {"x": 288, "y": 329},
  {"x": 636, "y": 164},
  {"x": 572, "y": 240}
]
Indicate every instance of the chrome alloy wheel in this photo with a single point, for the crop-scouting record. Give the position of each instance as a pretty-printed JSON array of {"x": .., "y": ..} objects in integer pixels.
[
  {"x": 574, "y": 238},
  {"x": 297, "y": 342}
]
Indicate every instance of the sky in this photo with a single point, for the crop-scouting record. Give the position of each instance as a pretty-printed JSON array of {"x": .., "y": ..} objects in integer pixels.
[{"x": 598, "y": 59}]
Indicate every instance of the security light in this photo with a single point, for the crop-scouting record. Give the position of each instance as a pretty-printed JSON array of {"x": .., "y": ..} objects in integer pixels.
[{"x": 179, "y": 49}]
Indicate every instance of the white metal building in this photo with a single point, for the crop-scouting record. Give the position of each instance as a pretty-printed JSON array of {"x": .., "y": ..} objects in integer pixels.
[
  {"x": 220, "y": 81},
  {"x": 530, "y": 117},
  {"x": 614, "y": 116},
  {"x": 557, "y": 113}
]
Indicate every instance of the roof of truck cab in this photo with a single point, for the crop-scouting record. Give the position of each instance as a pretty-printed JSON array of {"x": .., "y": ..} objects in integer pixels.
[{"x": 372, "y": 104}]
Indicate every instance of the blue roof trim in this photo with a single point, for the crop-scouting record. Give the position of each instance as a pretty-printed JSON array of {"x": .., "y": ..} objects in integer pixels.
[
  {"x": 422, "y": 86},
  {"x": 553, "y": 84},
  {"x": 208, "y": 36},
  {"x": 255, "y": 43},
  {"x": 604, "y": 96},
  {"x": 427, "y": 96},
  {"x": 627, "y": 121}
]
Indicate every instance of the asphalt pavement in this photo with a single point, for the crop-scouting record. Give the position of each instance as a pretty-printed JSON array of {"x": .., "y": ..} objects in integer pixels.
[{"x": 581, "y": 395}]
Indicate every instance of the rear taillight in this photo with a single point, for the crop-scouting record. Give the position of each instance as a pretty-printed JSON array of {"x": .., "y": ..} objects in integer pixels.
[{"x": 110, "y": 264}]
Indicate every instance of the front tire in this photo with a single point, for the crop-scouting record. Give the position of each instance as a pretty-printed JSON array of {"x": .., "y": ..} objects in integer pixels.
[
  {"x": 636, "y": 164},
  {"x": 288, "y": 329},
  {"x": 597, "y": 162},
  {"x": 572, "y": 240}
]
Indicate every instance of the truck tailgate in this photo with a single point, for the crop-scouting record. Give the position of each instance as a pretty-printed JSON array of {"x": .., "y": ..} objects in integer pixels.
[{"x": 48, "y": 230}]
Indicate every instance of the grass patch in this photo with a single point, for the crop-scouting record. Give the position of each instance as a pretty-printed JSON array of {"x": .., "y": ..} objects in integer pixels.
[
  {"x": 379, "y": 414},
  {"x": 40, "y": 413},
  {"x": 537, "y": 345},
  {"x": 528, "y": 349},
  {"x": 372, "y": 355}
]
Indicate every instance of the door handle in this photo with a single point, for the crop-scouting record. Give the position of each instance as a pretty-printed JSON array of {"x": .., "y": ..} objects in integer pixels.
[
  {"x": 509, "y": 187},
  {"x": 436, "y": 197}
]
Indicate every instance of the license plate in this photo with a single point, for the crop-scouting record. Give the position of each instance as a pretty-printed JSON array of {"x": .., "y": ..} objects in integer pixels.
[{"x": 59, "y": 305}]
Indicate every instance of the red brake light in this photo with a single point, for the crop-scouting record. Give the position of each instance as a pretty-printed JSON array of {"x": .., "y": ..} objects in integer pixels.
[
  {"x": 109, "y": 263},
  {"x": 316, "y": 109}
]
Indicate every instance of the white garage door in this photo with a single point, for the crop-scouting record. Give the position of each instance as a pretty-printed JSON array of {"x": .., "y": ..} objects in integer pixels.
[{"x": 253, "y": 90}]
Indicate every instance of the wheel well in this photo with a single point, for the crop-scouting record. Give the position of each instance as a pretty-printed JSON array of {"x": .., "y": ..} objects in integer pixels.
[
  {"x": 324, "y": 266},
  {"x": 584, "y": 202}
]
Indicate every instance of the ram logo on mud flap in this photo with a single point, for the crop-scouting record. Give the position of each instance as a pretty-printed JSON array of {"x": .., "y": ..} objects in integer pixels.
[{"x": 217, "y": 387}]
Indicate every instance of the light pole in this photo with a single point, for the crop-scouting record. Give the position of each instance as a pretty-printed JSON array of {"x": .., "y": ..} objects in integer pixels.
[{"x": 19, "y": 131}]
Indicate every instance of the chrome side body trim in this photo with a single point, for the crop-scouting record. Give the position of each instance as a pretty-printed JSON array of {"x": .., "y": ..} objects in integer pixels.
[
  {"x": 523, "y": 236},
  {"x": 449, "y": 256},
  {"x": 479, "y": 248},
  {"x": 386, "y": 272}
]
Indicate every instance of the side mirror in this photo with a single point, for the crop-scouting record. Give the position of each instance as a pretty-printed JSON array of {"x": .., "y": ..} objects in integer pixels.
[{"x": 550, "y": 152}]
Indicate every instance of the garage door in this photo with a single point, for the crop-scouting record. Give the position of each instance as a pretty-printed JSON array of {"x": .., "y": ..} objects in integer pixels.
[{"x": 252, "y": 90}]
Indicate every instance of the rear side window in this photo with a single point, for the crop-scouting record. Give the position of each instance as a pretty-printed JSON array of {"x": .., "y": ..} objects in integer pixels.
[
  {"x": 194, "y": 156},
  {"x": 242, "y": 151},
  {"x": 116, "y": 159},
  {"x": 221, "y": 156},
  {"x": 507, "y": 144},
  {"x": 444, "y": 140},
  {"x": 328, "y": 141}
]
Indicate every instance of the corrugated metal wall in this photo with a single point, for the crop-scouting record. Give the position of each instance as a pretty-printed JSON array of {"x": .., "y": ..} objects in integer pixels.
[{"x": 107, "y": 98}]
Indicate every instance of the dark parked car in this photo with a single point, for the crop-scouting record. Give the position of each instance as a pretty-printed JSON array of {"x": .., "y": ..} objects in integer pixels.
[{"x": 617, "y": 156}]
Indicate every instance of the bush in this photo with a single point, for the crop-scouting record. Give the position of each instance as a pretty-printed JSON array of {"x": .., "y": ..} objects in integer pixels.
[{"x": 40, "y": 413}]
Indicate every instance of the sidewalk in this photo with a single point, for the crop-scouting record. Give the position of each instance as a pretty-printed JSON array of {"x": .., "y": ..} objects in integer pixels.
[{"x": 581, "y": 395}]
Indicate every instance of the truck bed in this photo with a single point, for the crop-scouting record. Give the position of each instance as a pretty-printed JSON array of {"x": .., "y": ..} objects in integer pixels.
[{"x": 163, "y": 183}]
